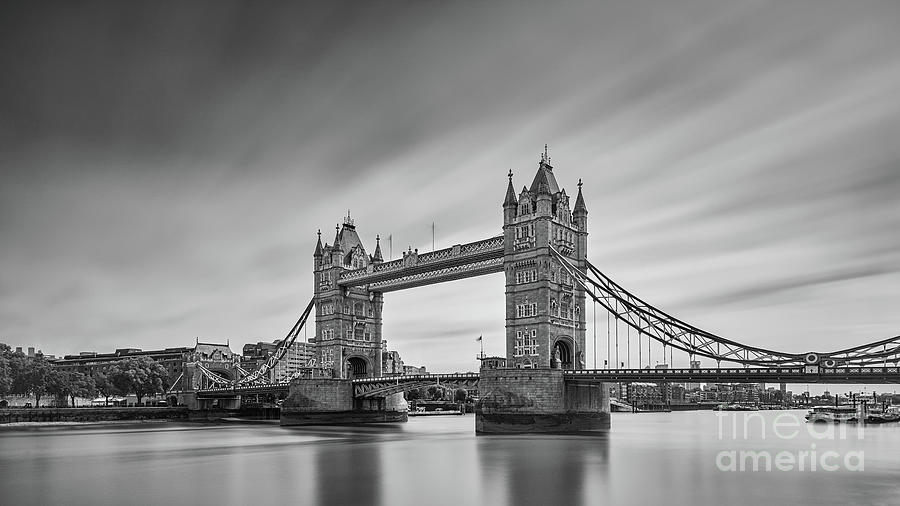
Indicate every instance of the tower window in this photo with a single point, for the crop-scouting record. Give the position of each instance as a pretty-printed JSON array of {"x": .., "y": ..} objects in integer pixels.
[
  {"x": 526, "y": 343},
  {"x": 526, "y": 310},
  {"x": 526, "y": 276},
  {"x": 531, "y": 347}
]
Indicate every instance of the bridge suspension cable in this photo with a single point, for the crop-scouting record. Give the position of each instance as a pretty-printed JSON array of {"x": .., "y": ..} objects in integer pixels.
[
  {"x": 259, "y": 373},
  {"x": 212, "y": 377},
  {"x": 677, "y": 334}
]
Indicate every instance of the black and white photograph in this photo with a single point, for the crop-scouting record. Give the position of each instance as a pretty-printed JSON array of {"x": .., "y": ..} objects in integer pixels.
[{"x": 458, "y": 252}]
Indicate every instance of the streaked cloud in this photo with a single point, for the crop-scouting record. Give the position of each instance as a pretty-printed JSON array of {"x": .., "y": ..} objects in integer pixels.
[{"x": 165, "y": 167}]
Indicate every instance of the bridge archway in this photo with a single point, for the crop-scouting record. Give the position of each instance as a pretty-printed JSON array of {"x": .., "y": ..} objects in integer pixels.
[
  {"x": 562, "y": 354},
  {"x": 357, "y": 367}
]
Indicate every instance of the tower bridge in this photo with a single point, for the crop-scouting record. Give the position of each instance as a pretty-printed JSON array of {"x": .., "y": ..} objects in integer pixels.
[{"x": 542, "y": 384}]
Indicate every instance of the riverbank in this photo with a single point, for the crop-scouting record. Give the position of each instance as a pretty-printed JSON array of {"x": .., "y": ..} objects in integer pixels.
[
  {"x": 45, "y": 416},
  {"x": 28, "y": 426}
]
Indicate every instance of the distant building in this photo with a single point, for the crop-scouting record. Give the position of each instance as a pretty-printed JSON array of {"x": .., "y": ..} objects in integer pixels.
[
  {"x": 391, "y": 363},
  {"x": 695, "y": 364},
  {"x": 217, "y": 358},
  {"x": 298, "y": 356},
  {"x": 644, "y": 394},
  {"x": 89, "y": 362},
  {"x": 411, "y": 369},
  {"x": 31, "y": 353}
]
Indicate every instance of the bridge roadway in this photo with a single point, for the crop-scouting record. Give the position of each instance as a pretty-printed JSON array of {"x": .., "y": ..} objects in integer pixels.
[
  {"x": 845, "y": 375},
  {"x": 380, "y": 387}
]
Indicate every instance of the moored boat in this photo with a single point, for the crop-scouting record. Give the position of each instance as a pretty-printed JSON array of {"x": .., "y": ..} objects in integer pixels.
[
  {"x": 737, "y": 407},
  {"x": 832, "y": 414},
  {"x": 883, "y": 416}
]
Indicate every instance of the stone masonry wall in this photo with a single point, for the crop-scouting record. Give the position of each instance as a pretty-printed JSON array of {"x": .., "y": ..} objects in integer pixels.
[
  {"x": 587, "y": 398},
  {"x": 320, "y": 395},
  {"x": 533, "y": 391}
]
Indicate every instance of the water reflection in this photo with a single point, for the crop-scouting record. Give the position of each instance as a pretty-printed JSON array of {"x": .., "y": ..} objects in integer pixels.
[
  {"x": 348, "y": 473},
  {"x": 543, "y": 470},
  {"x": 646, "y": 459}
]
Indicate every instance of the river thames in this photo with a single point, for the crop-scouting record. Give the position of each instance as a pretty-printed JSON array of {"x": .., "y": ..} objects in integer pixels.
[{"x": 652, "y": 458}]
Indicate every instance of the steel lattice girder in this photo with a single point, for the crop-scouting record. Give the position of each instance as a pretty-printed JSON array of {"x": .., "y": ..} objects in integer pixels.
[
  {"x": 387, "y": 385},
  {"x": 451, "y": 273},
  {"x": 405, "y": 273}
]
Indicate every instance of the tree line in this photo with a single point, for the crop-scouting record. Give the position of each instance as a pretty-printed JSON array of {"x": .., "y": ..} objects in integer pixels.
[
  {"x": 24, "y": 375},
  {"x": 435, "y": 393}
]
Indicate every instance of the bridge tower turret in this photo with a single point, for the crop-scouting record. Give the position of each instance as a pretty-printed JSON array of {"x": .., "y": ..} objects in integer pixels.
[
  {"x": 348, "y": 320},
  {"x": 579, "y": 217},
  {"x": 545, "y": 324}
]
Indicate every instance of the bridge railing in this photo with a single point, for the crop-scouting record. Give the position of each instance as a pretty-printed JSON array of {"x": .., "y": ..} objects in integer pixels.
[
  {"x": 888, "y": 372},
  {"x": 417, "y": 377}
]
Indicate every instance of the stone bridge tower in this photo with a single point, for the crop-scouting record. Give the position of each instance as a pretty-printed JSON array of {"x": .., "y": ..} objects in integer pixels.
[
  {"x": 545, "y": 319},
  {"x": 348, "y": 320}
]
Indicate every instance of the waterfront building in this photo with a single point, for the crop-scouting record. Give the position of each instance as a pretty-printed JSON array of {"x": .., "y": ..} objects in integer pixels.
[
  {"x": 644, "y": 394},
  {"x": 90, "y": 362},
  {"x": 216, "y": 357}
]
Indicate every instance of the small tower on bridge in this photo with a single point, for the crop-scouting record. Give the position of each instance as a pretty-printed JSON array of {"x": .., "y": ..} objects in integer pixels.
[
  {"x": 348, "y": 320},
  {"x": 545, "y": 322}
]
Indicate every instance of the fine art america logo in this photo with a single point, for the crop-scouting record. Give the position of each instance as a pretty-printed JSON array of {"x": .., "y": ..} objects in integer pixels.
[{"x": 814, "y": 456}]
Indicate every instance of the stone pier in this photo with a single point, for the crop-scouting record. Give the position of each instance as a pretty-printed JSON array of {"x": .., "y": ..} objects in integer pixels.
[
  {"x": 328, "y": 401},
  {"x": 522, "y": 401}
]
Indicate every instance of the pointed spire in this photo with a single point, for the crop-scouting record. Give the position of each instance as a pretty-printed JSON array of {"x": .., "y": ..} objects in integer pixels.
[
  {"x": 510, "y": 200},
  {"x": 579, "y": 201},
  {"x": 318, "y": 252},
  {"x": 544, "y": 181},
  {"x": 377, "y": 256},
  {"x": 337, "y": 237}
]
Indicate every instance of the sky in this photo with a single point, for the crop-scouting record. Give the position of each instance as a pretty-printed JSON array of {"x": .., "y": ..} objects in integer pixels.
[{"x": 166, "y": 165}]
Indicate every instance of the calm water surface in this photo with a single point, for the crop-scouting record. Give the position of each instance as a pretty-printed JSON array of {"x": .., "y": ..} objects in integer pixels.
[{"x": 659, "y": 458}]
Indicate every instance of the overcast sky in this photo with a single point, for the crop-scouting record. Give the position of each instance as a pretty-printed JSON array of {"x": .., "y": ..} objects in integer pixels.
[{"x": 165, "y": 165}]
